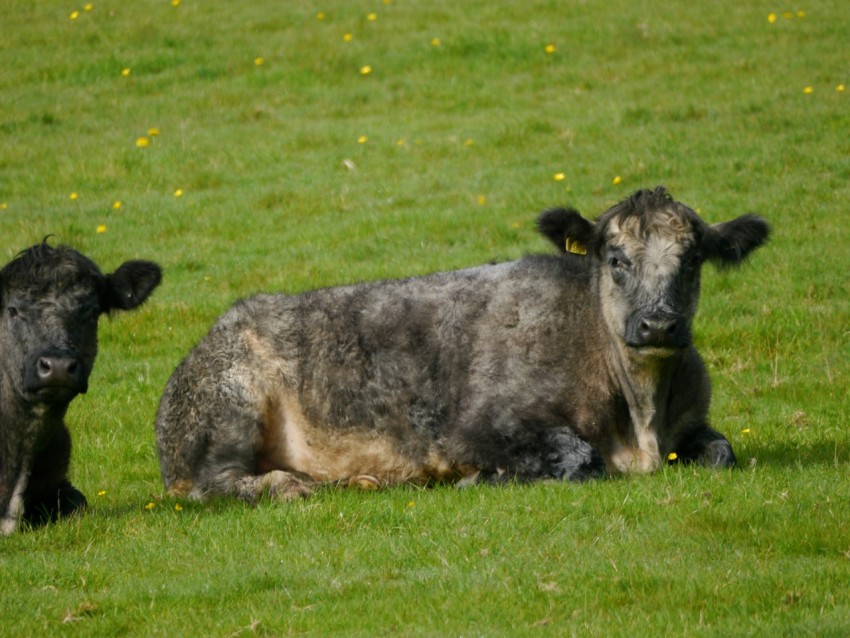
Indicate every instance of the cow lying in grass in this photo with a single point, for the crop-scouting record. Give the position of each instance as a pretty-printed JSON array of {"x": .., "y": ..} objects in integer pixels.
[
  {"x": 558, "y": 367},
  {"x": 50, "y": 300}
]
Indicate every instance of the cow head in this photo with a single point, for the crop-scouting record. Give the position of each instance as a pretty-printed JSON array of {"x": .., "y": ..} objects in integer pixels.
[
  {"x": 647, "y": 252},
  {"x": 50, "y": 302}
]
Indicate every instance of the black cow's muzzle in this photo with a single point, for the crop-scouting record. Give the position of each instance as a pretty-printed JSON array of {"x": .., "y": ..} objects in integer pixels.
[
  {"x": 56, "y": 375},
  {"x": 660, "y": 330}
]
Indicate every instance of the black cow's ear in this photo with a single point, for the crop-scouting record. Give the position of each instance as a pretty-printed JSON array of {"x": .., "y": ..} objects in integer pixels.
[
  {"x": 567, "y": 229},
  {"x": 130, "y": 285},
  {"x": 728, "y": 243}
]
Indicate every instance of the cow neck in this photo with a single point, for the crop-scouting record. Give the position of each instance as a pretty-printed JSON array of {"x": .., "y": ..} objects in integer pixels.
[{"x": 644, "y": 382}]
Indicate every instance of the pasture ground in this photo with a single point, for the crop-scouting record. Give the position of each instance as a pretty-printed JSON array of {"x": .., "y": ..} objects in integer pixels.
[{"x": 259, "y": 146}]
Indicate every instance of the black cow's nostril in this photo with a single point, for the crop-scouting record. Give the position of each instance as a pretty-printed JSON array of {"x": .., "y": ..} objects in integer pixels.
[{"x": 45, "y": 368}]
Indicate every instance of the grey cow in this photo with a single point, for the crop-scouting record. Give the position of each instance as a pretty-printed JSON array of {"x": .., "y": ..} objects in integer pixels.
[
  {"x": 50, "y": 301},
  {"x": 565, "y": 367}
]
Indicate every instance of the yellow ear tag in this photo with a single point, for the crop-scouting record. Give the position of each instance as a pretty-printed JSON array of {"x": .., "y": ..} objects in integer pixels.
[{"x": 575, "y": 247}]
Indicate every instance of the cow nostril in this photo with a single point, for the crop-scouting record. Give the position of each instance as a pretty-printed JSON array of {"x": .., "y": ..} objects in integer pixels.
[
  {"x": 671, "y": 328},
  {"x": 45, "y": 368}
]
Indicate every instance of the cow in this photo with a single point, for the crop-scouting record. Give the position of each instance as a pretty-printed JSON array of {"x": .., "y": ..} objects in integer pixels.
[
  {"x": 50, "y": 302},
  {"x": 568, "y": 366}
]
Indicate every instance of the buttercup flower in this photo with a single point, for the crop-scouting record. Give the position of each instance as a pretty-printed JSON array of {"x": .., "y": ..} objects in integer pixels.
[
  {"x": 372, "y": 17},
  {"x": 150, "y": 506},
  {"x": 125, "y": 72},
  {"x": 101, "y": 229},
  {"x": 550, "y": 48},
  {"x": 153, "y": 132},
  {"x": 365, "y": 70},
  {"x": 178, "y": 192},
  {"x": 321, "y": 15},
  {"x": 672, "y": 456},
  {"x": 74, "y": 15},
  {"x": 73, "y": 196},
  {"x": 362, "y": 139},
  {"x": 89, "y": 7},
  {"x": 840, "y": 88},
  {"x": 771, "y": 17},
  {"x": 143, "y": 142},
  {"x": 347, "y": 37},
  {"x": 116, "y": 204},
  {"x": 102, "y": 493},
  {"x": 482, "y": 200},
  {"x": 435, "y": 42},
  {"x": 617, "y": 180},
  {"x": 809, "y": 90},
  {"x": 259, "y": 61},
  {"x": 559, "y": 177},
  {"x": 178, "y": 507}
]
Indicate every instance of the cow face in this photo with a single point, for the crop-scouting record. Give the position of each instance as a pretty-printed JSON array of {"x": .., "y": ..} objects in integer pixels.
[
  {"x": 648, "y": 251},
  {"x": 50, "y": 302}
]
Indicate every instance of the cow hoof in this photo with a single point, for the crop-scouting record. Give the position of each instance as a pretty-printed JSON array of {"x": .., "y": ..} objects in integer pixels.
[
  {"x": 280, "y": 485},
  {"x": 364, "y": 482}
]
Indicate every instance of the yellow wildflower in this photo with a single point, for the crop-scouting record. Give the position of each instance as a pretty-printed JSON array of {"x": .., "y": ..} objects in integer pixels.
[
  {"x": 125, "y": 72},
  {"x": 3, "y": 205},
  {"x": 482, "y": 200},
  {"x": 401, "y": 142},
  {"x": 150, "y": 506},
  {"x": 74, "y": 15},
  {"x": 362, "y": 139},
  {"x": 617, "y": 180},
  {"x": 175, "y": 3},
  {"x": 143, "y": 142},
  {"x": 672, "y": 456},
  {"x": 259, "y": 61},
  {"x": 347, "y": 37},
  {"x": 365, "y": 70},
  {"x": 153, "y": 132},
  {"x": 411, "y": 504},
  {"x": 435, "y": 42},
  {"x": 372, "y": 17},
  {"x": 89, "y": 6},
  {"x": 468, "y": 142},
  {"x": 116, "y": 204},
  {"x": 102, "y": 493},
  {"x": 840, "y": 88},
  {"x": 178, "y": 192},
  {"x": 771, "y": 17},
  {"x": 559, "y": 177},
  {"x": 101, "y": 229},
  {"x": 550, "y": 48},
  {"x": 745, "y": 431},
  {"x": 321, "y": 15},
  {"x": 178, "y": 507},
  {"x": 801, "y": 14},
  {"x": 73, "y": 196},
  {"x": 809, "y": 90}
]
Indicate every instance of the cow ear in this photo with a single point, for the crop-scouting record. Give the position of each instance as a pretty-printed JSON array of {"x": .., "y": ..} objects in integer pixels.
[
  {"x": 130, "y": 285},
  {"x": 728, "y": 243},
  {"x": 567, "y": 229}
]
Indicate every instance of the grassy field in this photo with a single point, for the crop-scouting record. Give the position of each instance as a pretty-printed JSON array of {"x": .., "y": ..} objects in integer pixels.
[{"x": 270, "y": 145}]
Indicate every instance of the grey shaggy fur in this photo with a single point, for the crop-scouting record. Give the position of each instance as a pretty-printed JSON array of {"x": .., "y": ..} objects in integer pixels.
[{"x": 560, "y": 367}]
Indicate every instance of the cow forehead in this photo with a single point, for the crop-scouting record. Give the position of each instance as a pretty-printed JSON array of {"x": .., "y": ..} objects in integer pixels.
[{"x": 654, "y": 236}]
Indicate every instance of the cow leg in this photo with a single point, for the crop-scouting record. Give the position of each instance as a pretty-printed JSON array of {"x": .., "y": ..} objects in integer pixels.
[
  {"x": 708, "y": 447},
  {"x": 230, "y": 463},
  {"x": 528, "y": 451},
  {"x": 50, "y": 494}
]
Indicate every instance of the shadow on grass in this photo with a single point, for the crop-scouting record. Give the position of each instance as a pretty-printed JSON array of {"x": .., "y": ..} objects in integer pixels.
[{"x": 827, "y": 453}]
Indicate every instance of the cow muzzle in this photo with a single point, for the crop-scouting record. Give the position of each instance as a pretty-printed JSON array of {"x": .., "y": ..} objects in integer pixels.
[
  {"x": 660, "y": 330},
  {"x": 56, "y": 375}
]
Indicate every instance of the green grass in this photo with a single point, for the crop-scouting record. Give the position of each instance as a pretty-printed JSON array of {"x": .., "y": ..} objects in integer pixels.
[{"x": 463, "y": 140}]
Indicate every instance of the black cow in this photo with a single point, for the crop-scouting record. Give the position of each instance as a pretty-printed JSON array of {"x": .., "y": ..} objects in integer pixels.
[
  {"x": 547, "y": 367},
  {"x": 50, "y": 301}
]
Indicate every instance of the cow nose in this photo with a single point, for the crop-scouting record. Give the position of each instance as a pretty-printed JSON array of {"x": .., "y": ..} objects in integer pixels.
[
  {"x": 58, "y": 371},
  {"x": 657, "y": 329}
]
